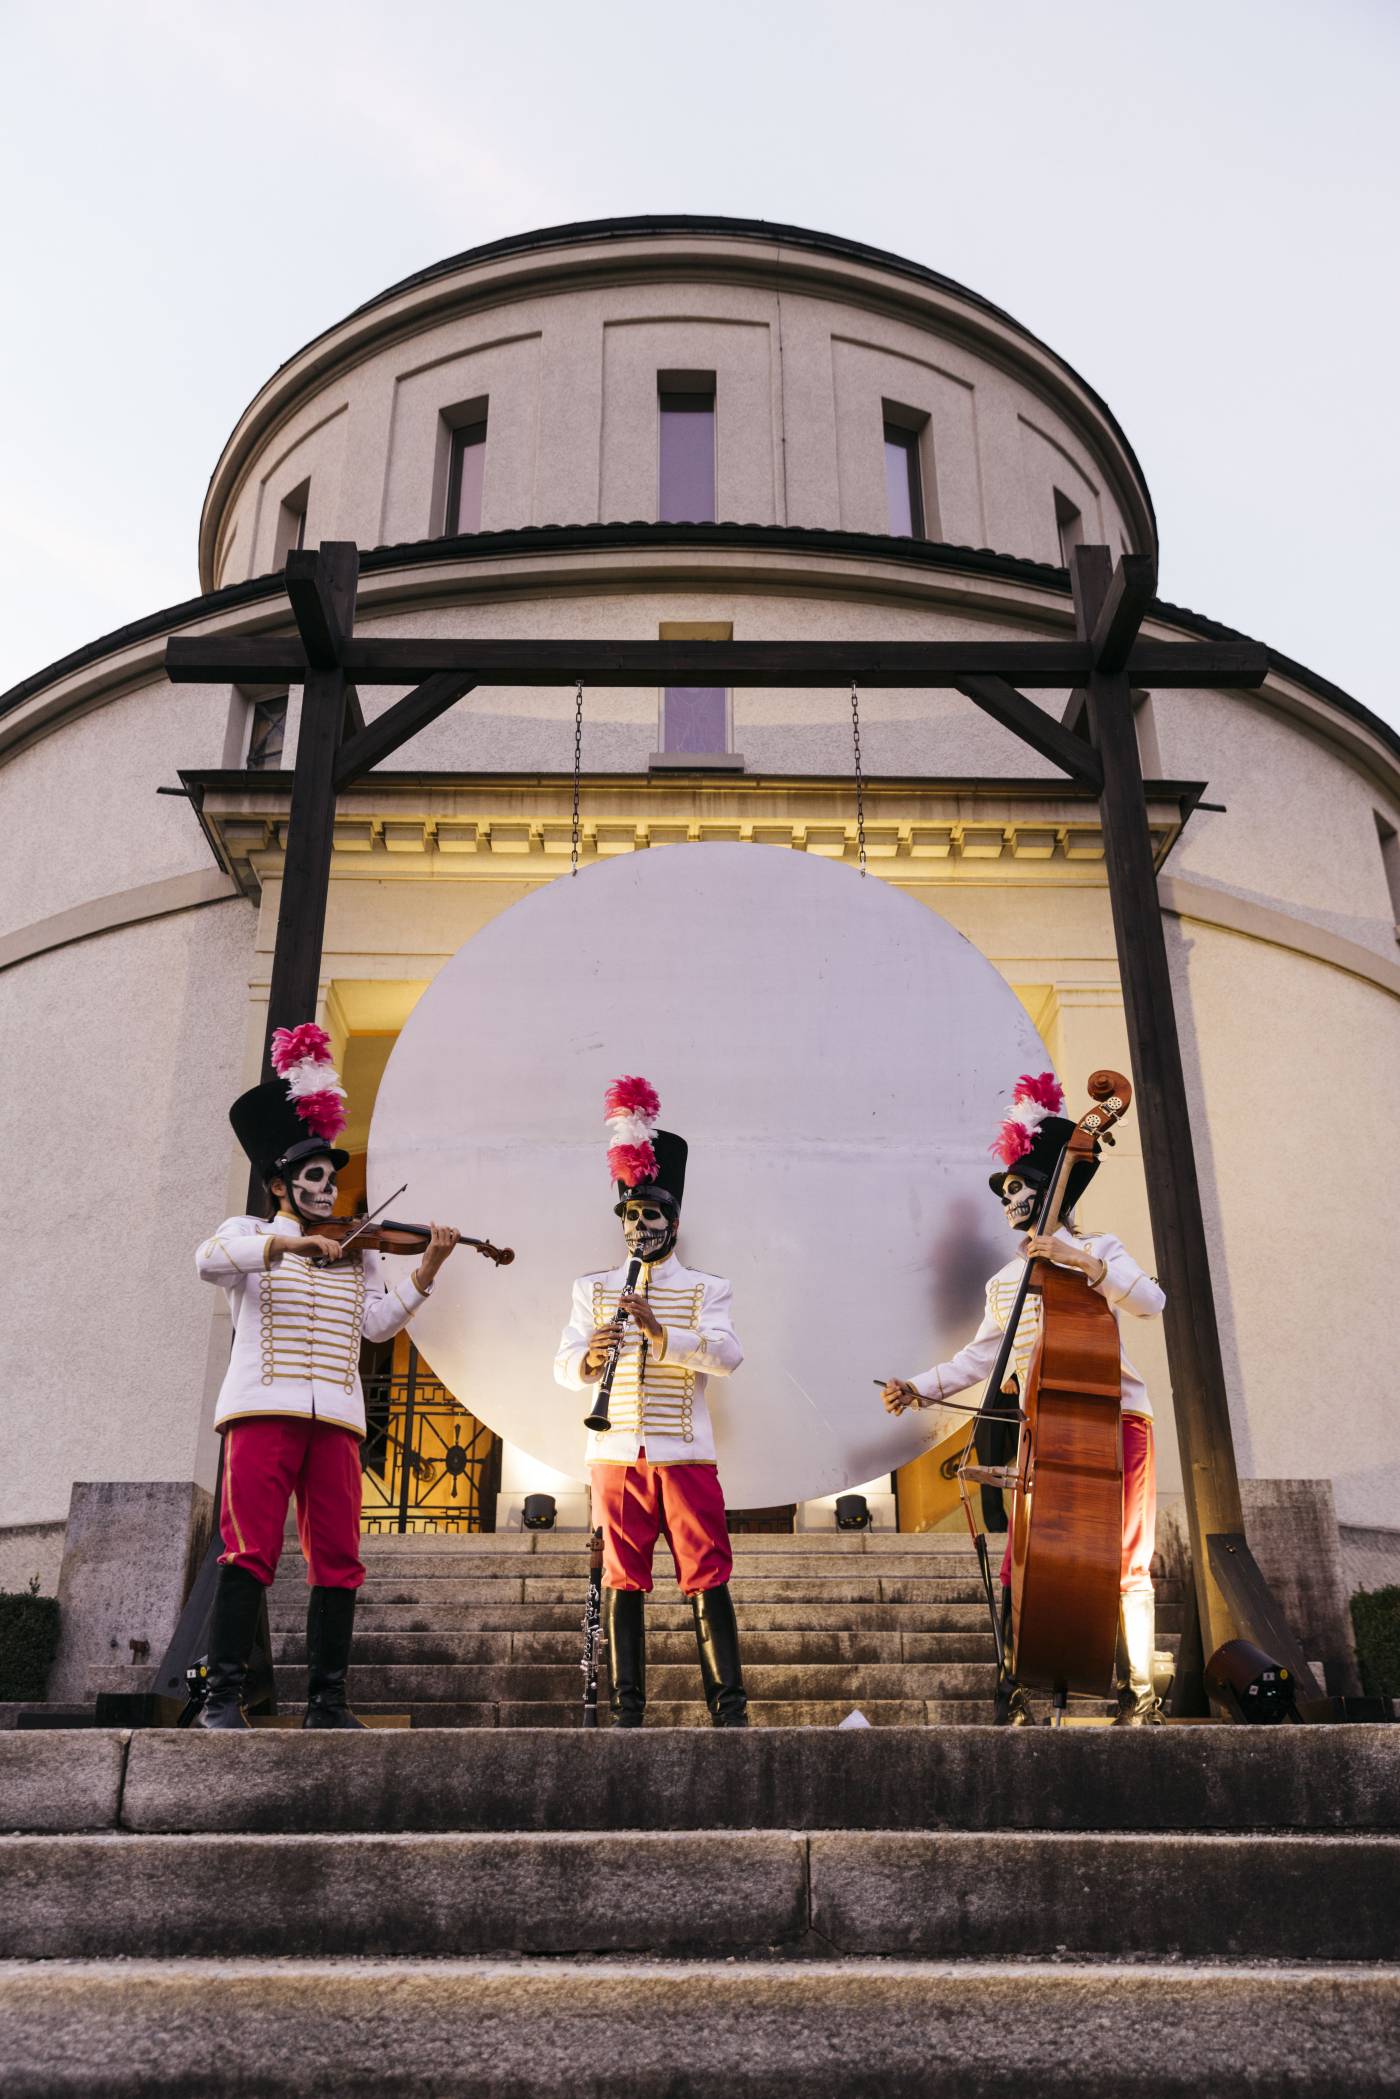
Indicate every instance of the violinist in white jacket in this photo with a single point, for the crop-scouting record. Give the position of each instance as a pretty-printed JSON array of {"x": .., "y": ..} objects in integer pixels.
[
  {"x": 291, "y": 1411},
  {"x": 1033, "y": 1139}
]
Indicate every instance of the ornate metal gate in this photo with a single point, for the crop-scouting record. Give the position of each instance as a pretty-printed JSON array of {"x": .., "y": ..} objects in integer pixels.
[{"x": 428, "y": 1464}]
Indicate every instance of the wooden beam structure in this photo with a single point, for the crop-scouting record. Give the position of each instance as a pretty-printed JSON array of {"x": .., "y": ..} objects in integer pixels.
[
  {"x": 1107, "y": 659},
  {"x": 1049, "y": 665}
]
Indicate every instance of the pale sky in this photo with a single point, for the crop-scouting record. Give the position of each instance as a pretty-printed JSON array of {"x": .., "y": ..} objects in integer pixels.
[{"x": 1195, "y": 204}]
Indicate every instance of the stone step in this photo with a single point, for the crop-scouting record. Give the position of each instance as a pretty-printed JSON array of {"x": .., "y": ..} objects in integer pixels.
[
  {"x": 786, "y": 1649},
  {"x": 447, "y": 1618},
  {"x": 680, "y": 1713},
  {"x": 932, "y": 1894},
  {"x": 817, "y": 1567},
  {"x": 673, "y": 2029},
  {"x": 449, "y": 1589},
  {"x": 388, "y": 1684},
  {"x": 745, "y": 1545},
  {"x": 1309, "y": 1779}
]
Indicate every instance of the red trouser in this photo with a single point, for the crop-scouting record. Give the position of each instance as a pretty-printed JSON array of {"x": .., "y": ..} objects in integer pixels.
[
  {"x": 633, "y": 1503},
  {"x": 268, "y": 1458},
  {"x": 1139, "y": 1508}
]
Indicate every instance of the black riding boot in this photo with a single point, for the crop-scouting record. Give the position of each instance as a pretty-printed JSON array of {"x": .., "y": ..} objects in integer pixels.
[
  {"x": 330, "y": 1621},
  {"x": 717, "y": 1637},
  {"x": 624, "y": 1629},
  {"x": 238, "y": 1598}
]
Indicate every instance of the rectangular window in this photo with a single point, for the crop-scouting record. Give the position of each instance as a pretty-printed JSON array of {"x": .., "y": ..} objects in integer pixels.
[
  {"x": 902, "y": 482},
  {"x": 687, "y": 415},
  {"x": 1069, "y": 525},
  {"x": 466, "y": 478},
  {"x": 291, "y": 524},
  {"x": 267, "y": 735},
  {"x": 695, "y": 718}
]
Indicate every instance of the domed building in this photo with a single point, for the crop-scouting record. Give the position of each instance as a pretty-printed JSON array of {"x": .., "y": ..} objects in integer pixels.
[{"x": 674, "y": 428}]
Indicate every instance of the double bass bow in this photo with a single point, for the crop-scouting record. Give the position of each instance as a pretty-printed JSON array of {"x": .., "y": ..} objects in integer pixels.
[{"x": 1067, "y": 1481}]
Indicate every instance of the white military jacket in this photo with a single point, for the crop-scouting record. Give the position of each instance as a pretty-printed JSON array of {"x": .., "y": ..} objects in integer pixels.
[
  {"x": 1123, "y": 1285},
  {"x": 664, "y": 1409},
  {"x": 297, "y": 1329}
]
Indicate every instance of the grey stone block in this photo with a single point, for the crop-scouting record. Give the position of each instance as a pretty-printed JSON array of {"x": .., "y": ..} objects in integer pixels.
[
  {"x": 131, "y": 1552},
  {"x": 961, "y": 1896},
  {"x": 1370, "y": 1557},
  {"x": 53, "y": 1781},
  {"x": 502, "y": 2029},
  {"x": 971, "y": 1778},
  {"x": 96, "y": 1896}
]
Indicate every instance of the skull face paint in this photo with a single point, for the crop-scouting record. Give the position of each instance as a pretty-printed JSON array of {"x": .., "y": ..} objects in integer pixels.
[
  {"x": 312, "y": 1188},
  {"x": 1019, "y": 1199},
  {"x": 650, "y": 1230}
]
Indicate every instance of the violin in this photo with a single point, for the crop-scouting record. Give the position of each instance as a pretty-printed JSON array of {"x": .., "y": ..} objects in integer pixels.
[
  {"x": 1067, "y": 1512},
  {"x": 390, "y": 1237}
]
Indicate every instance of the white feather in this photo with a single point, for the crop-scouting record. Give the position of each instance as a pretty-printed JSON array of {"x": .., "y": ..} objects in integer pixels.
[
  {"x": 312, "y": 1077},
  {"x": 630, "y": 1129}
]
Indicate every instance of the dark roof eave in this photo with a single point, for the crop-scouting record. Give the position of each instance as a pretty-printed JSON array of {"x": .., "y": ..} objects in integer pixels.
[{"x": 928, "y": 554}]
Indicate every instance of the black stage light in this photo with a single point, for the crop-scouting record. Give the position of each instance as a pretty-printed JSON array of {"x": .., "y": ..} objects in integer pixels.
[
  {"x": 538, "y": 1513},
  {"x": 1251, "y": 1684},
  {"x": 852, "y": 1512}
]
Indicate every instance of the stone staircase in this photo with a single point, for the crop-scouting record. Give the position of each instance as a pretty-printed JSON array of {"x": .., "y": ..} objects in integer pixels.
[
  {"x": 674, "y": 1913},
  {"x": 474, "y": 1631}
]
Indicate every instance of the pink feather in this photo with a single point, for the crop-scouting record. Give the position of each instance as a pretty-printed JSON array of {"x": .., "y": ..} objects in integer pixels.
[
  {"x": 1012, "y": 1143},
  {"x": 323, "y": 1113},
  {"x": 298, "y": 1045},
  {"x": 631, "y": 1163},
  {"x": 1045, "y": 1091},
  {"x": 631, "y": 1097}
]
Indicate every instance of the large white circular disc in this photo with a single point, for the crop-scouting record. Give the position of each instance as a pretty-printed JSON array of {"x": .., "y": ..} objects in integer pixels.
[{"x": 838, "y": 1058}]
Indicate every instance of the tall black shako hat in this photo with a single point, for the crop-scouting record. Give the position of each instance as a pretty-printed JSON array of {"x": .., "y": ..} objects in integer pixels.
[
  {"x": 1034, "y": 1133},
  {"x": 297, "y": 1114},
  {"x": 645, "y": 1162}
]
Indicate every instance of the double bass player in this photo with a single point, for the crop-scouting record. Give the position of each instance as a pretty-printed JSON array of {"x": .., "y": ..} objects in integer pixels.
[{"x": 1030, "y": 1145}]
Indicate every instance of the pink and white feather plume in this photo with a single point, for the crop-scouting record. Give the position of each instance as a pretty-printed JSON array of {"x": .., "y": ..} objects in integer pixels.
[
  {"x": 302, "y": 1056},
  {"x": 1035, "y": 1098},
  {"x": 632, "y": 1109}
]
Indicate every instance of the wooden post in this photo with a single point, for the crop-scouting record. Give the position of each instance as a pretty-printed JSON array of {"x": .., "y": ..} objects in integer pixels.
[
  {"x": 322, "y": 590},
  {"x": 321, "y": 586},
  {"x": 1173, "y": 1192}
]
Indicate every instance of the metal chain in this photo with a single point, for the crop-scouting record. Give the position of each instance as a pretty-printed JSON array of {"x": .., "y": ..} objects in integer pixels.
[
  {"x": 578, "y": 752},
  {"x": 860, "y": 783}
]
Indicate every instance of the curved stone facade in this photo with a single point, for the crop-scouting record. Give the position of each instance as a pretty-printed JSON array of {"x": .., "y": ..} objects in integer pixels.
[{"x": 136, "y": 933}]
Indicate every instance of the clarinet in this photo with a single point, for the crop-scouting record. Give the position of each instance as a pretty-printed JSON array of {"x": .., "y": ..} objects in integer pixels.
[
  {"x": 598, "y": 1419},
  {"x": 592, "y": 1630}
]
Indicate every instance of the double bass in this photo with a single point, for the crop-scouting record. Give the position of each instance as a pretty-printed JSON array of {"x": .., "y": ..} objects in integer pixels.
[{"x": 1067, "y": 1481}]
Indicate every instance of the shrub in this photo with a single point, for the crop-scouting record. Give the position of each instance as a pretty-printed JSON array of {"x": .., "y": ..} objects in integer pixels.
[
  {"x": 28, "y": 1641},
  {"x": 1375, "y": 1618}
]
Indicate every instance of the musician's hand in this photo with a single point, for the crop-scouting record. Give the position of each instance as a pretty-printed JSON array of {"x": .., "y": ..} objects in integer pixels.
[
  {"x": 602, "y": 1342},
  {"x": 312, "y": 1248},
  {"x": 641, "y": 1311},
  {"x": 899, "y": 1395},
  {"x": 1041, "y": 1247},
  {"x": 443, "y": 1239}
]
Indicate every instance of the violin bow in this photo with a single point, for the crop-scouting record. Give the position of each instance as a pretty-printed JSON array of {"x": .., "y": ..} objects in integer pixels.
[{"x": 365, "y": 1222}]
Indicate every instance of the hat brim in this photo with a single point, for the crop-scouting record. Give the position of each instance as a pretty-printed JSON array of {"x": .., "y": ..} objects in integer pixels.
[
  {"x": 309, "y": 1148},
  {"x": 646, "y": 1192}
]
